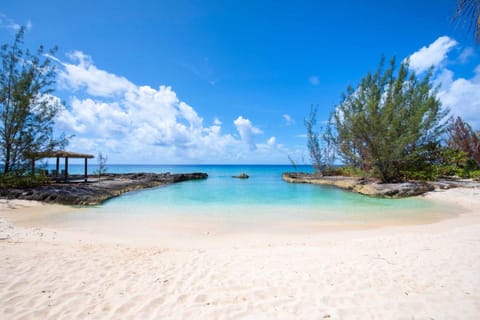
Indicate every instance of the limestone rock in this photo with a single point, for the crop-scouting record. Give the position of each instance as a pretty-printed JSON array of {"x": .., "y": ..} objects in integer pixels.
[
  {"x": 242, "y": 176},
  {"x": 92, "y": 193},
  {"x": 363, "y": 186}
]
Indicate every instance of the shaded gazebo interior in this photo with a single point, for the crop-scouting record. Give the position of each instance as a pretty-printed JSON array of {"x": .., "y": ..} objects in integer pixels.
[{"x": 62, "y": 154}]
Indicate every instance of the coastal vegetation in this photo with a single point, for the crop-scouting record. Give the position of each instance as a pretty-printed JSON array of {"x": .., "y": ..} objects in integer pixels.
[
  {"x": 27, "y": 110},
  {"x": 102, "y": 165},
  {"x": 392, "y": 127}
]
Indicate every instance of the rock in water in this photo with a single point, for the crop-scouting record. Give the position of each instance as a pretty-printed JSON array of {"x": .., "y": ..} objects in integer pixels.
[
  {"x": 242, "y": 176},
  {"x": 362, "y": 186},
  {"x": 94, "y": 193}
]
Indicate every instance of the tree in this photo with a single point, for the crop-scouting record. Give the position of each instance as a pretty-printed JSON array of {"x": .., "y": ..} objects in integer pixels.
[
  {"x": 469, "y": 12},
  {"x": 388, "y": 121},
  {"x": 313, "y": 144},
  {"x": 461, "y": 137},
  {"x": 320, "y": 147},
  {"x": 102, "y": 165},
  {"x": 27, "y": 108}
]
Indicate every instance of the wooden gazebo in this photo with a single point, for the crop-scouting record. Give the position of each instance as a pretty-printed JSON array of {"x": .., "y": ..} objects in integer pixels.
[{"x": 62, "y": 154}]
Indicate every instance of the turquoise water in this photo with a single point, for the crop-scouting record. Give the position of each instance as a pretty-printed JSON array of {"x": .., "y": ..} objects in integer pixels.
[{"x": 261, "y": 198}]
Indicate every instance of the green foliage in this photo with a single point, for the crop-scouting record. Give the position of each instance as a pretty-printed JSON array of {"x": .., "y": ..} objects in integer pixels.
[
  {"x": 22, "y": 179},
  {"x": 351, "y": 171},
  {"x": 102, "y": 165},
  {"x": 313, "y": 141},
  {"x": 387, "y": 122},
  {"x": 475, "y": 175},
  {"x": 321, "y": 148},
  {"x": 27, "y": 108},
  {"x": 460, "y": 136},
  {"x": 440, "y": 162}
]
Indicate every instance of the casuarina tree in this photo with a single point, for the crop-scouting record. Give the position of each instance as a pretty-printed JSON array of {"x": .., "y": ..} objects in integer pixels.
[
  {"x": 27, "y": 106},
  {"x": 390, "y": 119}
]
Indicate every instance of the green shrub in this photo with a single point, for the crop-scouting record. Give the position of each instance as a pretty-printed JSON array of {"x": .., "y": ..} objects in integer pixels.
[
  {"x": 23, "y": 180},
  {"x": 351, "y": 171}
]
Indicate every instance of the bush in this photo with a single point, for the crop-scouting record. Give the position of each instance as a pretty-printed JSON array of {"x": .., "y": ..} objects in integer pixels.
[
  {"x": 351, "y": 171},
  {"x": 14, "y": 180}
]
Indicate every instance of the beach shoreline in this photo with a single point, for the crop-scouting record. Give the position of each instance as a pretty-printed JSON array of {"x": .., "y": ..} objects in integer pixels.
[{"x": 393, "y": 272}]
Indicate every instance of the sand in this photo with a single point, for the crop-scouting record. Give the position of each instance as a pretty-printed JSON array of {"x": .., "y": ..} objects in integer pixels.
[{"x": 428, "y": 271}]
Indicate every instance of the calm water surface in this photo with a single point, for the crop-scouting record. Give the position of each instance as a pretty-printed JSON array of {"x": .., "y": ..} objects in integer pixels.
[{"x": 261, "y": 199}]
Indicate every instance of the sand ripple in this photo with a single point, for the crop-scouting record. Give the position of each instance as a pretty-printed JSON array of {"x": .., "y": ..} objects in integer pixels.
[
  {"x": 368, "y": 278},
  {"x": 415, "y": 272}
]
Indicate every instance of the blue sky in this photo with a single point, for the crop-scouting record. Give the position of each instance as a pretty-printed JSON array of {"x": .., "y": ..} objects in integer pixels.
[{"x": 230, "y": 81}]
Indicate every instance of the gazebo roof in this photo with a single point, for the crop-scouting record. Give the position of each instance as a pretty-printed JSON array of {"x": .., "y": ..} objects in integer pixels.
[{"x": 61, "y": 154}]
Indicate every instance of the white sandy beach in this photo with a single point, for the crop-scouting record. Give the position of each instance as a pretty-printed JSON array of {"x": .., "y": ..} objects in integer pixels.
[{"x": 428, "y": 271}]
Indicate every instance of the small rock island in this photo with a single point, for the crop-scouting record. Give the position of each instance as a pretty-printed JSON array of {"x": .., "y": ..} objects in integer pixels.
[{"x": 242, "y": 176}]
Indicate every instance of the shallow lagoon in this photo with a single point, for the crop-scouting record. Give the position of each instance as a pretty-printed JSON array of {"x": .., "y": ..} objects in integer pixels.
[{"x": 263, "y": 200}]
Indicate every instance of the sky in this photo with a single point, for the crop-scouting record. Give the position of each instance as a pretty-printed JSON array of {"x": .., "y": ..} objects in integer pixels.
[{"x": 230, "y": 82}]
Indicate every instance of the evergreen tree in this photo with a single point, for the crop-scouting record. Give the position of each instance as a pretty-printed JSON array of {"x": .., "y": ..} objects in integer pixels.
[
  {"x": 27, "y": 108},
  {"x": 388, "y": 121},
  {"x": 321, "y": 147}
]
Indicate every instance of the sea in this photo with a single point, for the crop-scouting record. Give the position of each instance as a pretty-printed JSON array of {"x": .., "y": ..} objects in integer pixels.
[{"x": 262, "y": 200}]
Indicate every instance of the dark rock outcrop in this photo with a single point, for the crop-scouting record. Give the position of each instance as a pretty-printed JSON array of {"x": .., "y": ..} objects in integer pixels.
[
  {"x": 362, "y": 186},
  {"x": 97, "y": 190},
  {"x": 242, "y": 176}
]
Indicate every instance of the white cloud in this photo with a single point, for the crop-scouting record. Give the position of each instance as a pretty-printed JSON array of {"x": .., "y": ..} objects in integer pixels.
[
  {"x": 466, "y": 54},
  {"x": 272, "y": 141},
  {"x": 433, "y": 55},
  {"x": 247, "y": 131},
  {"x": 288, "y": 120},
  {"x": 141, "y": 124},
  {"x": 314, "y": 80},
  {"x": 7, "y": 23},
  {"x": 461, "y": 95},
  {"x": 84, "y": 75}
]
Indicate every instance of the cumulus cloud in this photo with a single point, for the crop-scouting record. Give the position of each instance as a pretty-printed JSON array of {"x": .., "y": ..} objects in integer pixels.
[
  {"x": 247, "y": 131},
  {"x": 461, "y": 95},
  {"x": 132, "y": 123},
  {"x": 433, "y": 55},
  {"x": 84, "y": 75}
]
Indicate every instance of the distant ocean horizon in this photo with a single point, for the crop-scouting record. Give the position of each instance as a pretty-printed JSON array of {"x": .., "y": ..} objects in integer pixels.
[
  {"x": 78, "y": 168},
  {"x": 262, "y": 198}
]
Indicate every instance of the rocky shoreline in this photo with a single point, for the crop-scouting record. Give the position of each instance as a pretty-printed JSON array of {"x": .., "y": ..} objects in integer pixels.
[
  {"x": 97, "y": 190},
  {"x": 374, "y": 188}
]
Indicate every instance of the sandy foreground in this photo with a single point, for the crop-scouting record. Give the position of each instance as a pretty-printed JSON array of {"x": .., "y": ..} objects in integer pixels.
[{"x": 428, "y": 271}]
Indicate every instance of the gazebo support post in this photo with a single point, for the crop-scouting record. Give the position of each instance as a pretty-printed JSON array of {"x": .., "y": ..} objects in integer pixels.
[
  {"x": 33, "y": 167},
  {"x": 86, "y": 171},
  {"x": 66, "y": 168},
  {"x": 63, "y": 174},
  {"x": 57, "y": 172}
]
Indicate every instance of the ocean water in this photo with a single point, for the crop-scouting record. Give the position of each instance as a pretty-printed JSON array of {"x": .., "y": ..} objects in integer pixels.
[{"x": 261, "y": 199}]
